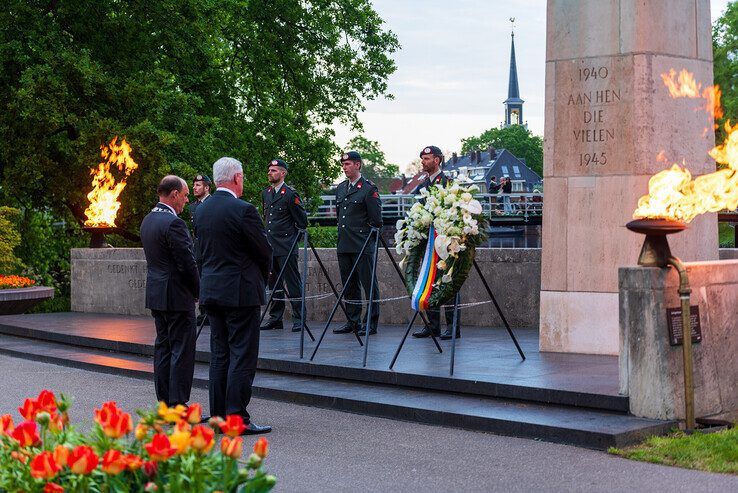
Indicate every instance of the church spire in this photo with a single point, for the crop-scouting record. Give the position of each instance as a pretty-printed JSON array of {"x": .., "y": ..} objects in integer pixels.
[{"x": 513, "y": 103}]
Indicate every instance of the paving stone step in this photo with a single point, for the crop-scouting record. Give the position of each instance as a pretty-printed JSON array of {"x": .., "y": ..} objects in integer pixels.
[{"x": 577, "y": 426}]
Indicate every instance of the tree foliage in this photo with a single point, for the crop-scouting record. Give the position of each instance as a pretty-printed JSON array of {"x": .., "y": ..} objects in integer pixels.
[
  {"x": 516, "y": 138},
  {"x": 375, "y": 166},
  {"x": 725, "y": 63},
  {"x": 186, "y": 82}
]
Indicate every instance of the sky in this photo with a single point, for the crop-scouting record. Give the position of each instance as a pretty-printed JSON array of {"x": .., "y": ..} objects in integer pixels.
[{"x": 452, "y": 72}]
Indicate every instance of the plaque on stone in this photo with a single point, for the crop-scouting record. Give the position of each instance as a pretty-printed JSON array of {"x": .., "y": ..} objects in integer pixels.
[{"x": 676, "y": 331}]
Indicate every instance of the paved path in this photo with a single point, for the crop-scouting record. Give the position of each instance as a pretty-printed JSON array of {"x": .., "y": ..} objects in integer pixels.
[{"x": 323, "y": 450}]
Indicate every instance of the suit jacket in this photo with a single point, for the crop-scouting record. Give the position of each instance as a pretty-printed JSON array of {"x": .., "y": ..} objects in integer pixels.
[
  {"x": 172, "y": 281},
  {"x": 440, "y": 178},
  {"x": 235, "y": 252},
  {"x": 283, "y": 216},
  {"x": 193, "y": 207},
  {"x": 358, "y": 209}
]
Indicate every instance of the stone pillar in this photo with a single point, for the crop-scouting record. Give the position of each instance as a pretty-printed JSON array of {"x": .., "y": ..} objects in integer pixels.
[{"x": 608, "y": 115}]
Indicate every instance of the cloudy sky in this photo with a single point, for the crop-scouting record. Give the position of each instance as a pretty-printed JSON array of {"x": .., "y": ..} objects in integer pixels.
[{"x": 452, "y": 71}]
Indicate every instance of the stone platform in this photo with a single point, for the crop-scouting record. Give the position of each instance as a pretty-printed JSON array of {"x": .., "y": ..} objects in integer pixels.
[{"x": 565, "y": 398}]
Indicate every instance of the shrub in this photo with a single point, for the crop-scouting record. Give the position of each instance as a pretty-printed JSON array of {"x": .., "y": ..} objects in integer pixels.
[{"x": 10, "y": 238}]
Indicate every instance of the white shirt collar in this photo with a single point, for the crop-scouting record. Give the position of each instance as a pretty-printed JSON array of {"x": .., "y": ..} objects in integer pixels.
[
  {"x": 169, "y": 207},
  {"x": 433, "y": 176},
  {"x": 203, "y": 199},
  {"x": 353, "y": 183},
  {"x": 229, "y": 191},
  {"x": 277, "y": 188}
]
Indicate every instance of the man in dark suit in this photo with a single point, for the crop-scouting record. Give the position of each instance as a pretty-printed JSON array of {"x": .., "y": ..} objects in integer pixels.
[
  {"x": 172, "y": 287},
  {"x": 235, "y": 265},
  {"x": 201, "y": 186},
  {"x": 284, "y": 215},
  {"x": 359, "y": 209},
  {"x": 431, "y": 159}
]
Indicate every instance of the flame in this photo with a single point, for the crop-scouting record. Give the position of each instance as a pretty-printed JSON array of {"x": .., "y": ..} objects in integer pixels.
[
  {"x": 672, "y": 194},
  {"x": 103, "y": 198}
]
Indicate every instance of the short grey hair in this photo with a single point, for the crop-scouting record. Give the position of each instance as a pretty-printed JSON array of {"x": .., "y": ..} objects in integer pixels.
[{"x": 225, "y": 168}]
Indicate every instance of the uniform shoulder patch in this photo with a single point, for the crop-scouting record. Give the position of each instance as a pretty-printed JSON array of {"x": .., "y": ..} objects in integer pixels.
[
  {"x": 375, "y": 194},
  {"x": 297, "y": 200}
]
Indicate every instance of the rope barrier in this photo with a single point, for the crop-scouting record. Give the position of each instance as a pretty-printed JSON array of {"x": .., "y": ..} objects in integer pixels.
[{"x": 381, "y": 301}]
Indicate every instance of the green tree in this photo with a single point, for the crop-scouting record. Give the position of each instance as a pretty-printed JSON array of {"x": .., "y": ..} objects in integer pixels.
[
  {"x": 186, "y": 82},
  {"x": 725, "y": 63},
  {"x": 516, "y": 138},
  {"x": 375, "y": 166}
]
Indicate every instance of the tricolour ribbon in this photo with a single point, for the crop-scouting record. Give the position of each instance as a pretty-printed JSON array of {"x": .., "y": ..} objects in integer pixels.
[{"x": 426, "y": 275}]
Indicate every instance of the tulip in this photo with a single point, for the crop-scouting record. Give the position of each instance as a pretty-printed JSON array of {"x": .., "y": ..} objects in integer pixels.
[
  {"x": 113, "y": 462},
  {"x": 160, "y": 449},
  {"x": 43, "y": 466},
  {"x": 171, "y": 414},
  {"x": 141, "y": 431},
  {"x": 193, "y": 414},
  {"x": 150, "y": 468},
  {"x": 261, "y": 447},
  {"x": 232, "y": 447},
  {"x": 133, "y": 462},
  {"x": 53, "y": 488},
  {"x": 47, "y": 401},
  {"x": 61, "y": 454},
  {"x": 6, "y": 424},
  {"x": 82, "y": 460},
  {"x": 26, "y": 434},
  {"x": 182, "y": 426},
  {"x": 113, "y": 421},
  {"x": 233, "y": 425},
  {"x": 180, "y": 440},
  {"x": 29, "y": 410},
  {"x": 203, "y": 438}
]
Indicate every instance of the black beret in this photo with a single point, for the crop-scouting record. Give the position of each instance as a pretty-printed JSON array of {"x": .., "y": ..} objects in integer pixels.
[
  {"x": 431, "y": 150},
  {"x": 203, "y": 178},
  {"x": 350, "y": 156},
  {"x": 278, "y": 162}
]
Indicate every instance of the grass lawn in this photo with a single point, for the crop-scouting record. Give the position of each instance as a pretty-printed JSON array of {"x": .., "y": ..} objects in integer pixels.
[{"x": 714, "y": 452}]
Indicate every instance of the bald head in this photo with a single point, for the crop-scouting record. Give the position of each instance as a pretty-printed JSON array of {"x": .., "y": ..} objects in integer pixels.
[{"x": 173, "y": 191}]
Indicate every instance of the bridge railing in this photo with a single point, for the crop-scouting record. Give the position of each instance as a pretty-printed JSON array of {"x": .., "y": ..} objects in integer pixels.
[{"x": 493, "y": 205}]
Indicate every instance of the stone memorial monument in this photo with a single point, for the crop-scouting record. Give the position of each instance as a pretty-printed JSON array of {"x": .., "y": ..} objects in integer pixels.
[{"x": 608, "y": 117}]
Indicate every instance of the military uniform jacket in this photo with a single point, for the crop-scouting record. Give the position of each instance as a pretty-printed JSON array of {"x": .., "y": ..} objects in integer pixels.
[
  {"x": 358, "y": 209},
  {"x": 172, "y": 281},
  {"x": 441, "y": 178},
  {"x": 193, "y": 207},
  {"x": 283, "y": 216}
]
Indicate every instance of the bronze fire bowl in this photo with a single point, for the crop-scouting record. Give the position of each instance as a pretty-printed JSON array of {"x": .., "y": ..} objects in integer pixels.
[
  {"x": 655, "y": 251},
  {"x": 97, "y": 235}
]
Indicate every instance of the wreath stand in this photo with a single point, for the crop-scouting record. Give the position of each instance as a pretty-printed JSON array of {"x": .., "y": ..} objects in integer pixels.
[
  {"x": 455, "y": 328},
  {"x": 373, "y": 233}
]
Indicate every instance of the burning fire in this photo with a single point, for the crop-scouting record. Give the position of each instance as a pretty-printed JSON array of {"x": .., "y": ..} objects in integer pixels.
[
  {"x": 103, "y": 198},
  {"x": 672, "y": 194}
]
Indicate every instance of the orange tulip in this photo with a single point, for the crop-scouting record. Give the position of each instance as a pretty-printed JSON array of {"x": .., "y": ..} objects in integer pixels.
[
  {"x": 182, "y": 426},
  {"x": 113, "y": 462},
  {"x": 61, "y": 454},
  {"x": 6, "y": 424},
  {"x": 26, "y": 434},
  {"x": 53, "y": 488},
  {"x": 113, "y": 421},
  {"x": 160, "y": 449},
  {"x": 233, "y": 425},
  {"x": 43, "y": 466},
  {"x": 203, "y": 438},
  {"x": 193, "y": 414},
  {"x": 82, "y": 460},
  {"x": 232, "y": 447},
  {"x": 133, "y": 462},
  {"x": 261, "y": 447},
  {"x": 29, "y": 410}
]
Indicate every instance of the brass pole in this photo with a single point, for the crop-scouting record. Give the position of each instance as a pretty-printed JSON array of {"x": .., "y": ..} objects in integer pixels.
[{"x": 684, "y": 292}]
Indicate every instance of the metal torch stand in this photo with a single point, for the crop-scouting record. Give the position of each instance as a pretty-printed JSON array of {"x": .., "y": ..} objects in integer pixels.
[
  {"x": 375, "y": 253},
  {"x": 455, "y": 327}
]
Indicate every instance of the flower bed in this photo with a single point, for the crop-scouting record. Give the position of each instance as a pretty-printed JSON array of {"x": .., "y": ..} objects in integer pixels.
[
  {"x": 169, "y": 451},
  {"x": 452, "y": 220},
  {"x": 15, "y": 300},
  {"x": 15, "y": 282}
]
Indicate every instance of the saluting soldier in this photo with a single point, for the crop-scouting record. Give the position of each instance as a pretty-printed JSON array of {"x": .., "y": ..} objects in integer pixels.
[
  {"x": 431, "y": 159},
  {"x": 358, "y": 209},
  {"x": 284, "y": 215},
  {"x": 201, "y": 188}
]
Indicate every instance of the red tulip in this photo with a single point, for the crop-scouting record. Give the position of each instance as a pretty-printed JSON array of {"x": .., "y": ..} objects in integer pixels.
[
  {"x": 113, "y": 421},
  {"x": 160, "y": 449},
  {"x": 46, "y": 401},
  {"x": 113, "y": 462},
  {"x": 203, "y": 438},
  {"x": 6, "y": 424},
  {"x": 82, "y": 460},
  {"x": 133, "y": 462},
  {"x": 261, "y": 447},
  {"x": 233, "y": 425},
  {"x": 26, "y": 434},
  {"x": 53, "y": 488},
  {"x": 43, "y": 466},
  {"x": 232, "y": 447},
  {"x": 150, "y": 468},
  {"x": 29, "y": 410}
]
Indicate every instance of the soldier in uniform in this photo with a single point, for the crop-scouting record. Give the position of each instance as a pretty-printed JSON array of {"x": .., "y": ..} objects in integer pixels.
[
  {"x": 431, "y": 160},
  {"x": 284, "y": 215},
  {"x": 358, "y": 209},
  {"x": 201, "y": 187}
]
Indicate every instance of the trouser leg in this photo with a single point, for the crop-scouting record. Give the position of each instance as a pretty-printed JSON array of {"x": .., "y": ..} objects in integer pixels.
[
  {"x": 351, "y": 289},
  {"x": 182, "y": 366},
  {"x": 365, "y": 277},
  {"x": 219, "y": 361},
  {"x": 293, "y": 282},
  {"x": 276, "y": 310},
  {"x": 162, "y": 356},
  {"x": 243, "y": 343}
]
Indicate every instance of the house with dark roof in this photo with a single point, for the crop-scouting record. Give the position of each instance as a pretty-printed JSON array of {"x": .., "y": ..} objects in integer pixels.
[{"x": 481, "y": 166}]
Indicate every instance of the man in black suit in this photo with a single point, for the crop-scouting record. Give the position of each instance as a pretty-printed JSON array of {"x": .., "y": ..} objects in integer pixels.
[
  {"x": 359, "y": 209},
  {"x": 284, "y": 215},
  {"x": 431, "y": 159},
  {"x": 172, "y": 287},
  {"x": 201, "y": 186},
  {"x": 235, "y": 266}
]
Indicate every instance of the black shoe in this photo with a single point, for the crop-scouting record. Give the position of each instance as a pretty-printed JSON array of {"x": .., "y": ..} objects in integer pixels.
[
  {"x": 372, "y": 331},
  {"x": 426, "y": 332},
  {"x": 347, "y": 328},
  {"x": 254, "y": 429},
  {"x": 272, "y": 325},
  {"x": 447, "y": 335}
]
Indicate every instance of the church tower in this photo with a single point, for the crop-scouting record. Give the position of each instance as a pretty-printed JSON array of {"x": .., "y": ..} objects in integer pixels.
[{"x": 513, "y": 103}]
